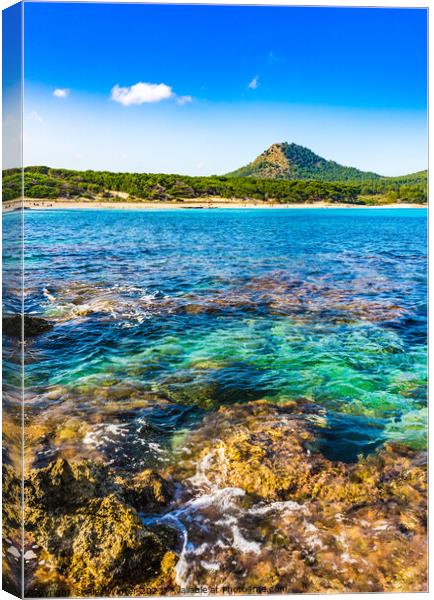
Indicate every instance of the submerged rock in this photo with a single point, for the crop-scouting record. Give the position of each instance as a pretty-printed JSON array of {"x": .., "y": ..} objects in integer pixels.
[
  {"x": 276, "y": 293},
  {"x": 124, "y": 303},
  {"x": 305, "y": 300},
  {"x": 321, "y": 297},
  {"x": 185, "y": 390},
  {"x": 86, "y": 522},
  {"x": 12, "y": 325}
]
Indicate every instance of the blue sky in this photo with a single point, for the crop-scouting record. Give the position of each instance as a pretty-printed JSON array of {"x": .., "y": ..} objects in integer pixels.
[{"x": 204, "y": 89}]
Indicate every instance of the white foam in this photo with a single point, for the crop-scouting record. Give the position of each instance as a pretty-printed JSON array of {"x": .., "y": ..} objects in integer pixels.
[
  {"x": 49, "y": 296},
  {"x": 240, "y": 543},
  {"x": 116, "y": 429},
  {"x": 155, "y": 447},
  {"x": 287, "y": 506},
  {"x": 210, "y": 566},
  {"x": 14, "y": 551}
]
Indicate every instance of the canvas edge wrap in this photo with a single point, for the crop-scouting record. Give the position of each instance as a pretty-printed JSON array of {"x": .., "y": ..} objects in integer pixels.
[{"x": 12, "y": 303}]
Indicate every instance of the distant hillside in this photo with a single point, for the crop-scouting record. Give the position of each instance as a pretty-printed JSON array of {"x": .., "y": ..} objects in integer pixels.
[
  {"x": 101, "y": 186},
  {"x": 291, "y": 161},
  {"x": 418, "y": 177}
]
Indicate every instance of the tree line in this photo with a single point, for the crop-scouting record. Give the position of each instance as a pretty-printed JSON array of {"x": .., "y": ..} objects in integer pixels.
[{"x": 50, "y": 183}]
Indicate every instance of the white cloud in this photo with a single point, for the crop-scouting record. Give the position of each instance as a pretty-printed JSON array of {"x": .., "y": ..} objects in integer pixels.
[
  {"x": 141, "y": 93},
  {"x": 183, "y": 100},
  {"x": 254, "y": 83},
  {"x": 61, "y": 92}
]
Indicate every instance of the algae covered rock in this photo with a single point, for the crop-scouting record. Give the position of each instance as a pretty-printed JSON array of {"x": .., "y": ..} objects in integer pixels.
[
  {"x": 263, "y": 450},
  {"x": 62, "y": 486},
  {"x": 271, "y": 452},
  {"x": 148, "y": 490},
  {"x": 111, "y": 547},
  {"x": 257, "y": 507},
  {"x": 82, "y": 517},
  {"x": 289, "y": 519},
  {"x": 11, "y": 529}
]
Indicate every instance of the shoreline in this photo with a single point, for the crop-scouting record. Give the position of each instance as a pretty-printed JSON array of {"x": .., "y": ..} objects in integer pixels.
[{"x": 60, "y": 204}]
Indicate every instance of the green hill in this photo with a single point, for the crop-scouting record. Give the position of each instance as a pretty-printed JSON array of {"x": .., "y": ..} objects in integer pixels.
[{"x": 291, "y": 161}]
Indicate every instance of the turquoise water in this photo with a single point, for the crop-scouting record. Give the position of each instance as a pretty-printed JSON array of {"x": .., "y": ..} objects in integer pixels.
[{"x": 180, "y": 311}]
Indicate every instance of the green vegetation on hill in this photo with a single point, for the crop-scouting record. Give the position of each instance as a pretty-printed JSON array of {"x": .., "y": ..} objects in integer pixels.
[
  {"x": 291, "y": 161},
  {"x": 45, "y": 182},
  {"x": 418, "y": 177}
]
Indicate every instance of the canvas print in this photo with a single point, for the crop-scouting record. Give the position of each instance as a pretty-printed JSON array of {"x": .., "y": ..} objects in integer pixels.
[{"x": 214, "y": 299}]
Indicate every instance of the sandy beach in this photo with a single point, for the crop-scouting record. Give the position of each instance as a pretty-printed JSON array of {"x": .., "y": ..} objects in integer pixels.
[{"x": 202, "y": 203}]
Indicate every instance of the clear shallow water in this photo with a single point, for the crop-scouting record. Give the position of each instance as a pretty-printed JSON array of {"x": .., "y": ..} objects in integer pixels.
[{"x": 161, "y": 316}]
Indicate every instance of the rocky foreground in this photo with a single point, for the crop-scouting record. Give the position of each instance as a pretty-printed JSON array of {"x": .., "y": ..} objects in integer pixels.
[{"x": 248, "y": 504}]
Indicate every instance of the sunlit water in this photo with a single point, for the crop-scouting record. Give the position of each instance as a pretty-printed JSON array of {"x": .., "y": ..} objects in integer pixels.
[{"x": 168, "y": 314}]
